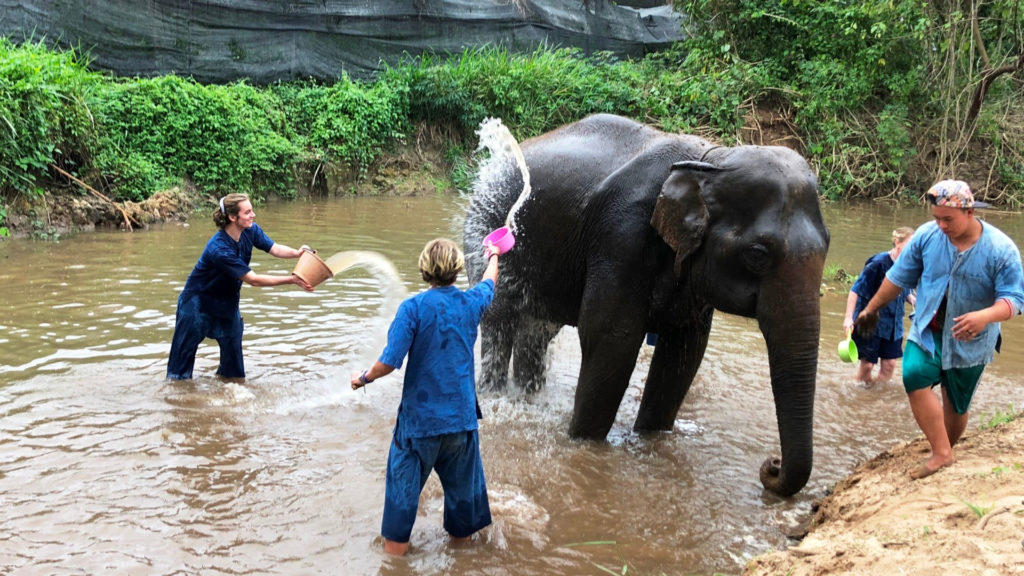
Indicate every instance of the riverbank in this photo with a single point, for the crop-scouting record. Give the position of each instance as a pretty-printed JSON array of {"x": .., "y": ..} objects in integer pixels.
[
  {"x": 65, "y": 207},
  {"x": 967, "y": 519}
]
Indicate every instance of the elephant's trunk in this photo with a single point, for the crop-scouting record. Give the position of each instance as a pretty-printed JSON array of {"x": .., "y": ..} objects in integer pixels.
[{"x": 789, "y": 318}]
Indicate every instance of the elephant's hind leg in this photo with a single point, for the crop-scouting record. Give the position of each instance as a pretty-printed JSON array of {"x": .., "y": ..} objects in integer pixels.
[
  {"x": 529, "y": 360},
  {"x": 496, "y": 340}
]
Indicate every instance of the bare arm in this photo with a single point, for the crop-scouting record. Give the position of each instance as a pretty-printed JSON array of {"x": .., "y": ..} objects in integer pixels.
[
  {"x": 970, "y": 324},
  {"x": 851, "y": 305},
  {"x": 887, "y": 292},
  {"x": 282, "y": 251},
  {"x": 378, "y": 370},
  {"x": 253, "y": 279},
  {"x": 491, "y": 272}
]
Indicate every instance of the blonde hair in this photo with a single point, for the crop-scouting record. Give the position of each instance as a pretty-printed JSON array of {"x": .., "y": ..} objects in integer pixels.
[
  {"x": 902, "y": 233},
  {"x": 440, "y": 262},
  {"x": 227, "y": 205}
]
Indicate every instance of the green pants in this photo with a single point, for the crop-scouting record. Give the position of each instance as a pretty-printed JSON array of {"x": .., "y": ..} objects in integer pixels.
[{"x": 923, "y": 370}]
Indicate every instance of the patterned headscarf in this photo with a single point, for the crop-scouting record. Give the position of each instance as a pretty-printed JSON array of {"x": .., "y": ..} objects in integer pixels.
[{"x": 953, "y": 194}]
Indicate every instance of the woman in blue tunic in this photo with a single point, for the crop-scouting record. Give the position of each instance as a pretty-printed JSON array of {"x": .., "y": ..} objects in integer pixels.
[
  {"x": 436, "y": 427},
  {"x": 208, "y": 305},
  {"x": 885, "y": 346}
]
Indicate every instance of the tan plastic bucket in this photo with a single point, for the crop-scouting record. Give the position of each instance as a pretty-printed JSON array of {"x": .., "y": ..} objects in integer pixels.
[{"x": 312, "y": 269}]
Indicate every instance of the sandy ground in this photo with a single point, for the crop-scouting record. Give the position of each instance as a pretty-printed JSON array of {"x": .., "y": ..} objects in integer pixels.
[{"x": 964, "y": 520}]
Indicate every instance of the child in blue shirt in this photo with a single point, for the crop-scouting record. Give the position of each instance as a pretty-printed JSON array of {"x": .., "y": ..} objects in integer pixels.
[
  {"x": 436, "y": 427},
  {"x": 885, "y": 346}
]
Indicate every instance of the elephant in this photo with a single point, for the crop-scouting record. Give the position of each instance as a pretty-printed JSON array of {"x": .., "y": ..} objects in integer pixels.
[{"x": 629, "y": 230}]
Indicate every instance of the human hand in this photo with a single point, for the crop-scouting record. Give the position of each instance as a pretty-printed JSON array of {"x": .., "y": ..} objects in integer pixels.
[
  {"x": 866, "y": 323},
  {"x": 967, "y": 326},
  {"x": 490, "y": 250},
  {"x": 356, "y": 382},
  {"x": 305, "y": 248},
  {"x": 848, "y": 325},
  {"x": 305, "y": 285}
]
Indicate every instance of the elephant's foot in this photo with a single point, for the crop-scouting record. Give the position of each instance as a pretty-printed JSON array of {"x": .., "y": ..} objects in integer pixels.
[
  {"x": 588, "y": 431},
  {"x": 492, "y": 384},
  {"x": 652, "y": 423},
  {"x": 532, "y": 385}
]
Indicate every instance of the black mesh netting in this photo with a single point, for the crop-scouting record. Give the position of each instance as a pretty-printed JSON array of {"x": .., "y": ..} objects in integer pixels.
[{"x": 269, "y": 40}]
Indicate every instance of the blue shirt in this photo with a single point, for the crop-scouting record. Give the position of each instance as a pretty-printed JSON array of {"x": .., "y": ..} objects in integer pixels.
[
  {"x": 437, "y": 328},
  {"x": 973, "y": 279},
  {"x": 890, "y": 318},
  {"x": 217, "y": 276}
]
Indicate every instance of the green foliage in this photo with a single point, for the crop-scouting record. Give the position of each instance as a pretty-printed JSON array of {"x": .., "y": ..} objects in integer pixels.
[
  {"x": 850, "y": 71},
  {"x": 998, "y": 418},
  {"x": 44, "y": 112},
  {"x": 864, "y": 86},
  {"x": 979, "y": 509},
  {"x": 224, "y": 138},
  {"x": 348, "y": 121},
  {"x": 531, "y": 92}
]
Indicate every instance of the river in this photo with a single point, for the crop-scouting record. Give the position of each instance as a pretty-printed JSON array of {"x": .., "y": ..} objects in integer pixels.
[{"x": 105, "y": 467}]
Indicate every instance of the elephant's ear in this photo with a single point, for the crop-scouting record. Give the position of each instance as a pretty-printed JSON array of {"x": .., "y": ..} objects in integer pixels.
[{"x": 680, "y": 215}]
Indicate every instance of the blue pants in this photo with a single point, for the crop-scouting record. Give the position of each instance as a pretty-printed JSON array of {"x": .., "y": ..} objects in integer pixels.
[
  {"x": 191, "y": 326},
  {"x": 456, "y": 458}
]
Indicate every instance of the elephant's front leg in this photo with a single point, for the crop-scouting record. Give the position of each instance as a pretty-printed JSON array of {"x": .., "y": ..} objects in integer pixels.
[
  {"x": 610, "y": 339},
  {"x": 677, "y": 357},
  {"x": 529, "y": 354}
]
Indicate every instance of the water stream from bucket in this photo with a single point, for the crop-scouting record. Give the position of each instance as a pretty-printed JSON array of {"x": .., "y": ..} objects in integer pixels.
[
  {"x": 495, "y": 137},
  {"x": 348, "y": 258},
  {"x": 391, "y": 288}
]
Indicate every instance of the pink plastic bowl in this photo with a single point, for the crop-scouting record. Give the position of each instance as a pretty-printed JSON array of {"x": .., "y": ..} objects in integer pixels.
[{"x": 502, "y": 239}]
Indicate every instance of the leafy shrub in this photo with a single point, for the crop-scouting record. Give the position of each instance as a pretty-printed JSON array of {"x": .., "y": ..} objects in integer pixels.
[
  {"x": 44, "y": 112},
  {"x": 346, "y": 121},
  {"x": 224, "y": 138}
]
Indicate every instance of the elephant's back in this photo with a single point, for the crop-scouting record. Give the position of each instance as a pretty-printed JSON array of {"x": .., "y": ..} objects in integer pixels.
[{"x": 587, "y": 151}]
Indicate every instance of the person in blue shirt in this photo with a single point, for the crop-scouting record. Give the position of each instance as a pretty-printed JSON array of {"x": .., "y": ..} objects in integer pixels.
[
  {"x": 969, "y": 279},
  {"x": 208, "y": 305},
  {"x": 885, "y": 346},
  {"x": 436, "y": 427}
]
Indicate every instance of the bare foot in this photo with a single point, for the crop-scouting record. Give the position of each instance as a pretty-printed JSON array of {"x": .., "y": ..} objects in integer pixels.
[{"x": 929, "y": 467}]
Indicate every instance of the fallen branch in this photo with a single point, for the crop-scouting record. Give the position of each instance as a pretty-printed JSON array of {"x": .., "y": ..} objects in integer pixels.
[{"x": 100, "y": 196}]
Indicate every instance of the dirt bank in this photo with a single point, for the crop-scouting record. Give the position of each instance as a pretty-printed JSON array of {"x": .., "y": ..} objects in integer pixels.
[{"x": 965, "y": 520}]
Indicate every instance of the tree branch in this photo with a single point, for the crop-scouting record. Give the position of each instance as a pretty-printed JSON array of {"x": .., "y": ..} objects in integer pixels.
[{"x": 986, "y": 80}]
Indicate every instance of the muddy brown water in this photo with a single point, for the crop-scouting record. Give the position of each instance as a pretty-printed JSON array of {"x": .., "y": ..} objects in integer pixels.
[{"x": 105, "y": 467}]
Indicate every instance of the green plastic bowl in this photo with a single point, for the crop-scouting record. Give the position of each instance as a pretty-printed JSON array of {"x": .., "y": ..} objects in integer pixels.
[{"x": 847, "y": 350}]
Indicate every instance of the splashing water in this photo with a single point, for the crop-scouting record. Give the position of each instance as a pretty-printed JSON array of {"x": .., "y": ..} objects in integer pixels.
[
  {"x": 378, "y": 262},
  {"x": 495, "y": 137},
  {"x": 394, "y": 291}
]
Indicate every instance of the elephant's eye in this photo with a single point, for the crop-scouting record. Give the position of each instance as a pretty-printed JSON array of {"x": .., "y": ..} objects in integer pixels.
[{"x": 757, "y": 259}]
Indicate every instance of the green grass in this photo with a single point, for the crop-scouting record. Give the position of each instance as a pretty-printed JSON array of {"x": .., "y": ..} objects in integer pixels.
[
  {"x": 998, "y": 418},
  {"x": 836, "y": 273},
  {"x": 978, "y": 509}
]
